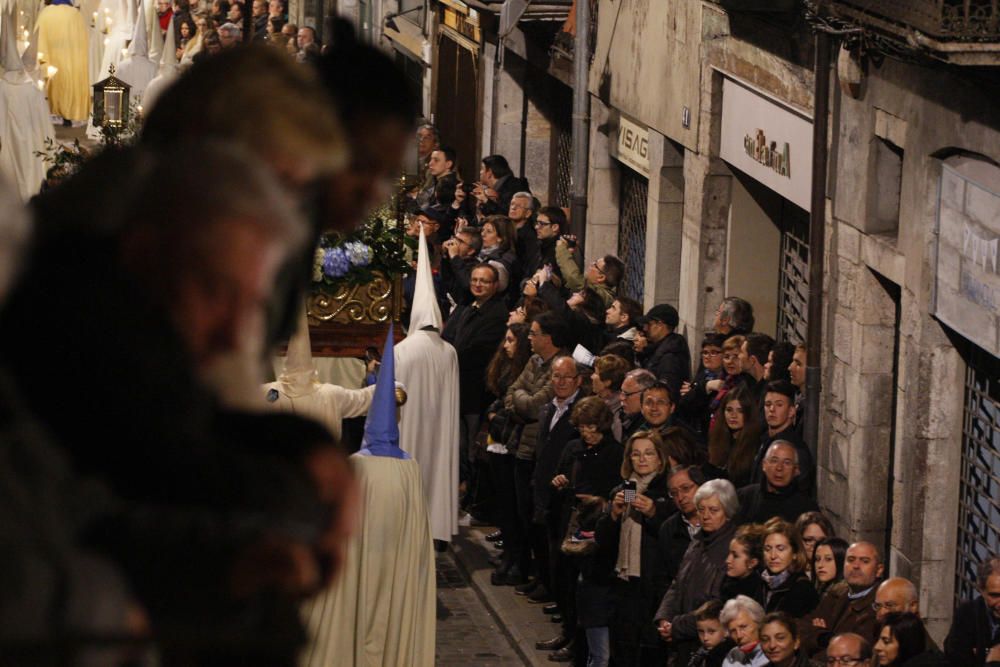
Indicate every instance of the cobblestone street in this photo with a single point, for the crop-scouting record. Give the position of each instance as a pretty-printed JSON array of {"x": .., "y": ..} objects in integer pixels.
[{"x": 467, "y": 633}]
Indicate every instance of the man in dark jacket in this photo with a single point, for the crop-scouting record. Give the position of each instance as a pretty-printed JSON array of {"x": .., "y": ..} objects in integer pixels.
[
  {"x": 779, "y": 414},
  {"x": 974, "y": 636},
  {"x": 778, "y": 493},
  {"x": 677, "y": 531},
  {"x": 838, "y": 611},
  {"x": 475, "y": 330},
  {"x": 668, "y": 357},
  {"x": 497, "y": 186}
]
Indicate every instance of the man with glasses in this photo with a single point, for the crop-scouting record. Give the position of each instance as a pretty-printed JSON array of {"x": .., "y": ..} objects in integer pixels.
[
  {"x": 603, "y": 274},
  {"x": 460, "y": 252},
  {"x": 848, "y": 650},
  {"x": 778, "y": 494},
  {"x": 634, "y": 384},
  {"x": 550, "y": 223},
  {"x": 851, "y": 610},
  {"x": 658, "y": 408},
  {"x": 677, "y": 531},
  {"x": 475, "y": 330}
]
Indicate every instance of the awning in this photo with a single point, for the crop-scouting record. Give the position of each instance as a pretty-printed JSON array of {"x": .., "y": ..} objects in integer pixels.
[
  {"x": 410, "y": 38},
  {"x": 526, "y": 10}
]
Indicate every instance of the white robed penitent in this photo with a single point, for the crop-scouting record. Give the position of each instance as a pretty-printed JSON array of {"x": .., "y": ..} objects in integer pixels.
[
  {"x": 167, "y": 72},
  {"x": 428, "y": 366},
  {"x": 380, "y": 612},
  {"x": 299, "y": 390},
  {"x": 24, "y": 113},
  {"x": 137, "y": 69}
]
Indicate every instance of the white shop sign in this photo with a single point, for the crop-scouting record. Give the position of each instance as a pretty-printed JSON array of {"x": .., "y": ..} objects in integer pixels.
[
  {"x": 768, "y": 141},
  {"x": 633, "y": 145}
]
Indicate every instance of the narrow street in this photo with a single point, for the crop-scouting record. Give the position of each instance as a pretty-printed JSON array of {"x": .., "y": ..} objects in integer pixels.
[{"x": 481, "y": 624}]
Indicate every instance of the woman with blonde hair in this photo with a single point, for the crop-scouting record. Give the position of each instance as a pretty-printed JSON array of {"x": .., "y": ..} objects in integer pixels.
[{"x": 787, "y": 586}]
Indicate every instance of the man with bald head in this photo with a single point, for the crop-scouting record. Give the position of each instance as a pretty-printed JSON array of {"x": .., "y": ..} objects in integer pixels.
[
  {"x": 851, "y": 611},
  {"x": 896, "y": 595},
  {"x": 848, "y": 647}
]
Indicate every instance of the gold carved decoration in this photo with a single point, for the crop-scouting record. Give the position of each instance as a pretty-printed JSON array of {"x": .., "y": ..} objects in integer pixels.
[{"x": 376, "y": 302}]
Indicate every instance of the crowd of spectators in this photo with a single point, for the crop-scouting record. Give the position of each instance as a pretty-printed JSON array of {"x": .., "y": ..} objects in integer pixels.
[
  {"x": 661, "y": 511},
  {"x": 202, "y": 28}
]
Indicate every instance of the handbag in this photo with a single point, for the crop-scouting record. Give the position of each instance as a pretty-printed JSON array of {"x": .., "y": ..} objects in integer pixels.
[{"x": 578, "y": 540}]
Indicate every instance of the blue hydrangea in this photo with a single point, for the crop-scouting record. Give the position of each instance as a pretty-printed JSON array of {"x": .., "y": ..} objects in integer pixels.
[
  {"x": 336, "y": 264},
  {"x": 358, "y": 253}
]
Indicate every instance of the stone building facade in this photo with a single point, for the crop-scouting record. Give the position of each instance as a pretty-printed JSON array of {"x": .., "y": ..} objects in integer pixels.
[{"x": 909, "y": 448}]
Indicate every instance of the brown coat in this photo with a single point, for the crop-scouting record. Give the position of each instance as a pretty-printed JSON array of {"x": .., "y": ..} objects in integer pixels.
[{"x": 840, "y": 614}]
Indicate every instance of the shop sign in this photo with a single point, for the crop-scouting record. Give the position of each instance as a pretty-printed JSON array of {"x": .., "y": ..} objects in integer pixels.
[
  {"x": 768, "y": 141},
  {"x": 633, "y": 145},
  {"x": 967, "y": 281}
]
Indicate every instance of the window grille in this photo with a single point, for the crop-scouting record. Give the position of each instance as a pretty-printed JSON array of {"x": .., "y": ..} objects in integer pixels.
[
  {"x": 979, "y": 495},
  {"x": 793, "y": 281},
  {"x": 634, "y": 201}
]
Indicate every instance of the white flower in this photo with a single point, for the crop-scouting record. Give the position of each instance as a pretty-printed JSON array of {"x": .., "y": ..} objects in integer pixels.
[{"x": 318, "y": 258}]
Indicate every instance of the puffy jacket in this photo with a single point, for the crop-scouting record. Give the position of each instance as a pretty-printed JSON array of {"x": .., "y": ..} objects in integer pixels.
[{"x": 531, "y": 390}]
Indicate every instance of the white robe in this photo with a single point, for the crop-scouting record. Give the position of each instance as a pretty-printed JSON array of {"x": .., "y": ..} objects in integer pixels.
[
  {"x": 328, "y": 403},
  {"x": 24, "y": 127},
  {"x": 381, "y": 609},
  {"x": 428, "y": 429}
]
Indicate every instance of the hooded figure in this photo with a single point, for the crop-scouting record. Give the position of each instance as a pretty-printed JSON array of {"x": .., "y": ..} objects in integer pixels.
[
  {"x": 299, "y": 390},
  {"x": 137, "y": 70},
  {"x": 24, "y": 116},
  {"x": 382, "y": 610},
  {"x": 63, "y": 39},
  {"x": 166, "y": 75},
  {"x": 428, "y": 366}
]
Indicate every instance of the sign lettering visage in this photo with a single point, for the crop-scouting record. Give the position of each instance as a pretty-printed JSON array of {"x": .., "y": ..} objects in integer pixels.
[
  {"x": 769, "y": 154},
  {"x": 633, "y": 146}
]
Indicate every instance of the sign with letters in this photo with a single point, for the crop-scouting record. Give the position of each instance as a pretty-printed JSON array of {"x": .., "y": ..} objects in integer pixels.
[
  {"x": 767, "y": 141},
  {"x": 633, "y": 145},
  {"x": 967, "y": 281}
]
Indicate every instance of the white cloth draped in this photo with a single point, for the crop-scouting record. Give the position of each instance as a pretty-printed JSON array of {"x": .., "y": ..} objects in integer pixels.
[
  {"x": 428, "y": 429},
  {"x": 326, "y": 403},
  {"x": 381, "y": 610}
]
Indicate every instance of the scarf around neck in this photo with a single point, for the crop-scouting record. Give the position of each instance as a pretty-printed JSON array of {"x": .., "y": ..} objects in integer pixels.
[{"x": 630, "y": 543}]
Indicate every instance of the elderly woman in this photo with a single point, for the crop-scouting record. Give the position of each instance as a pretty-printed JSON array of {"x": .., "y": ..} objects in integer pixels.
[
  {"x": 630, "y": 532},
  {"x": 743, "y": 617},
  {"x": 703, "y": 568}
]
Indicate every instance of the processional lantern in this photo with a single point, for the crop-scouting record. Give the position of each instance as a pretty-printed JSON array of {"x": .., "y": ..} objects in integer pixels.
[{"x": 111, "y": 106}]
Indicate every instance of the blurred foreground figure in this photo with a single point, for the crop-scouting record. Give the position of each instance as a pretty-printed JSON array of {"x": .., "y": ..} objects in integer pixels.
[
  {"x": 381, "y": 611},
  {"x": 228, "y": 519},
  {"x": 428, "y": 367}
]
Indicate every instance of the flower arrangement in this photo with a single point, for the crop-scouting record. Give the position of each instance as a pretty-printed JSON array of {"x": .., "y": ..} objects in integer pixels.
[{"x": 355, "y": 258}]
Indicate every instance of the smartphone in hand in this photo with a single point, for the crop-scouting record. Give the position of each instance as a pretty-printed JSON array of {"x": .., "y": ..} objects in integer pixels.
[{"x": 629, "y": 490}]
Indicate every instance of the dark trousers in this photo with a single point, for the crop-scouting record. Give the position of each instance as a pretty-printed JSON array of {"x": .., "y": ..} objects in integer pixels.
[
  {"x": 523, "y": 471},
  {"x": 501, "y": 467},
  {"x": 563, "y": 572},
  {"x": 468, "y": 426},
  {"x": 634, "y": 640}
]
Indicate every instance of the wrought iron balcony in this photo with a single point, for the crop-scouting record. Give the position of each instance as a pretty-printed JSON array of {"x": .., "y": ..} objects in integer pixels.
[{"x": 943, "y": 20}]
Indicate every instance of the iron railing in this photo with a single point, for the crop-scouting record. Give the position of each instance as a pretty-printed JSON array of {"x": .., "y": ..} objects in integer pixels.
[
  {"x": 633, "y": 203},
  {"x": 943, "y": 20}
]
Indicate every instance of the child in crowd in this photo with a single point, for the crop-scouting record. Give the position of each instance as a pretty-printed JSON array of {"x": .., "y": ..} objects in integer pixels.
[{"x": 715, "y": 642}]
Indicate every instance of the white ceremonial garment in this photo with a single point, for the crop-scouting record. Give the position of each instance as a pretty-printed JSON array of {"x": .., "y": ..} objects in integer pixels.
[
  {"x": 381, "y": 609},
  {"x": 167, "y": 72},
  {"x": 326, "y": 403},
  {"x": 24, "y": 116},
  {"x": 137, "y": 69},
  {"x": 428, "y": 429}
]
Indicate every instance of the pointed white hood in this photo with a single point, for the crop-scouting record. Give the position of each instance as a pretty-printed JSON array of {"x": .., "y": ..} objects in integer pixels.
[
  {"x": 10, "y": 60},
  {"x": 299, "y": 376},
  {"x": 137, "y": 70},
  {"x": 155, "y": 36},
  {"x": 140, "y": 40},
  {"x": 425, "y": 311}
]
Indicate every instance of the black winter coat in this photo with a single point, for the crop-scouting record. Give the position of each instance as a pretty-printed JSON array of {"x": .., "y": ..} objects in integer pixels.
[
  {"x": 549, "y": 448},
  {"x": 757, "y": 504},
  {"x": 796, "y": 597},
  {"x": 475, "y": 333},
  {"x": 969, "y": 638},
  {"x": 670, "y": 361},
  {"x": 751, "y": 586}
]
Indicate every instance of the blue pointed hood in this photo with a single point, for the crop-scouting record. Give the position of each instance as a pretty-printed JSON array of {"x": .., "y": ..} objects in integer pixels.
[{"x": 381, "y": 430}]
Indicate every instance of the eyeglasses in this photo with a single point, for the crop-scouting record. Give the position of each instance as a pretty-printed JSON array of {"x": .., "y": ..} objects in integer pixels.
[
  {"x": 542, "y": 223},
  {"x": 596, "y": 266},
  {"x": 682, "y": 490},
  {"x": 842, "y": 660},
  {"x": 626, "y": 394},
  {"x": 888, "y": 606},
  {"x": 711, "y": 353},
  {"x": 536, "y": 334},
  {"x": 644, "y": 455}
]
